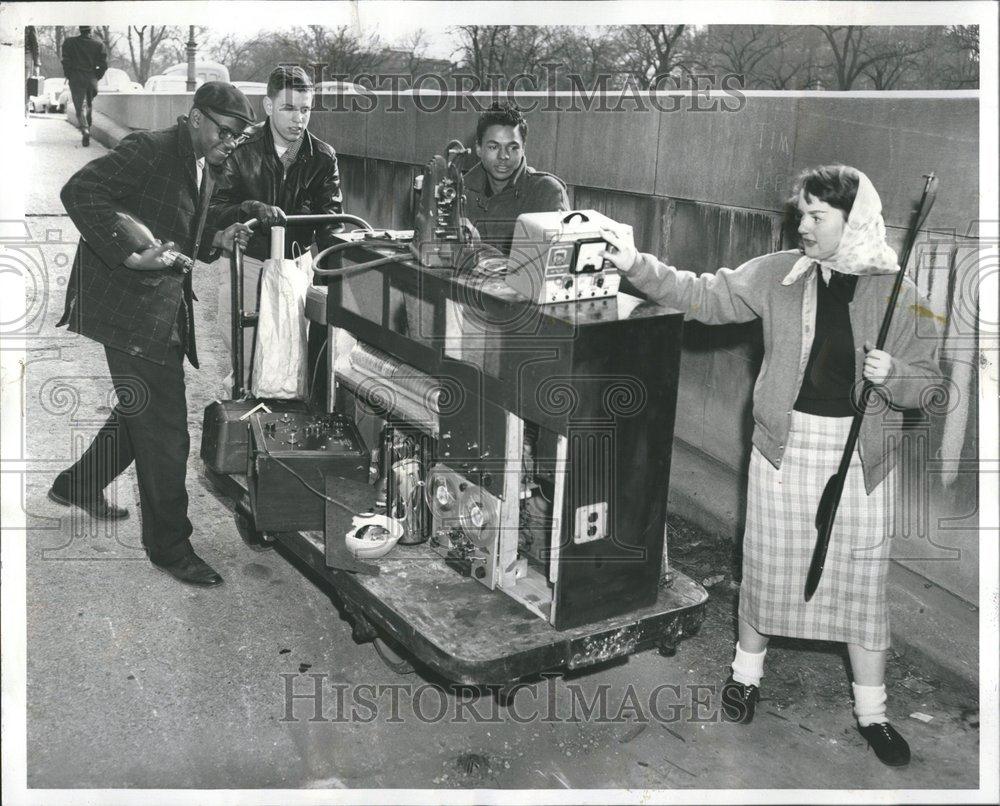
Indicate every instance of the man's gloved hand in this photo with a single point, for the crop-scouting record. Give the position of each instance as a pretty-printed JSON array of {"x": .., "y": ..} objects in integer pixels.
[{"x": 268, "y": 215}]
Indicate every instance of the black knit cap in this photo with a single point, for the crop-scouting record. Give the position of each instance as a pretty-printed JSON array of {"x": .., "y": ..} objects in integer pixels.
[{"x": 225, "y": 99}]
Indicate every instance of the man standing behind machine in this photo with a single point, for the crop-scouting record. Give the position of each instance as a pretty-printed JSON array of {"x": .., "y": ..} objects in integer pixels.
[
  {"x": 281, "y": 170},
  {"x": 502, "y": 185},
  {"x": 84, "y": 62}
]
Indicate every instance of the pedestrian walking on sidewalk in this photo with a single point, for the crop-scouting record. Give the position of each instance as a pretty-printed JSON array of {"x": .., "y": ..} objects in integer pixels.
[{"x": 84, "y": 62}]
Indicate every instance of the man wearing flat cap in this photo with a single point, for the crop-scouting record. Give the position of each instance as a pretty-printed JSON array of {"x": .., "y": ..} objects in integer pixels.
[{"x": 125, "y": 295}]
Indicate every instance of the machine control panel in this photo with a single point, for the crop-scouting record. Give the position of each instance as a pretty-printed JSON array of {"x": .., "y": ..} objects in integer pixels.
[
  {"x": 556, "y": 257},
  {"x": 329, "y": 434}
]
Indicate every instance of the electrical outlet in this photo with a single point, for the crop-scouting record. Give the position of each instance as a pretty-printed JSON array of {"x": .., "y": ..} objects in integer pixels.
[{"x": 591, "y": 522}]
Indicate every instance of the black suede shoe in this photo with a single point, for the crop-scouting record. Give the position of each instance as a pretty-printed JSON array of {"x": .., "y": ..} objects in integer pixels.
[
  {"x": 191, "y": 570},
  {"x": 97, "y": 508},
  {"x": 889, "y": 746},
  {"x": 739, "y": 702}
]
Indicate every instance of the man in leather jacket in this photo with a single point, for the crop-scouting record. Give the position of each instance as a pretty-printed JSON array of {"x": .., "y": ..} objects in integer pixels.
[{"x": 281, "y": 170}]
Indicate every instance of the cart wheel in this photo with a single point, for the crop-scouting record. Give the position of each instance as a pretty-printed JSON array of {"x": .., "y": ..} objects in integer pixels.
[
  {"x": 361, "y": 629},
  {"x": 258, "y": 541},
  {"x": 671, "y": 638},
  {"x": 389, "y": 657},
  {"x": 681, "y": 628},
  {"x": 667, "y": 649}
]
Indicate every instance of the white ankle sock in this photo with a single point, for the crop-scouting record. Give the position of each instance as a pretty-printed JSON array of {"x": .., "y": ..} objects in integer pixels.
[
  {"x": 748, "y": 667},
  {"x": 869, "y": 704}
]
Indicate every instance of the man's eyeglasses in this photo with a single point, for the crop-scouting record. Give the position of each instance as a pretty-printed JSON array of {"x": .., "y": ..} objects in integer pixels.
[{"x": 225, "y": 132}]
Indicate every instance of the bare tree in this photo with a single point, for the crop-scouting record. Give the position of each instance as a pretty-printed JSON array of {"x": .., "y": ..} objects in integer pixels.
[
  {"x": 237, "y": 54},
  {"x": 50, "y": 39},
  {"x": 173, "y": 46},
  {"x": 739, "y": 49},
  {"x": 898, "y": 49},
  {"x": 860, "y": 51},
  {"x": 507, "y": 50},
  {"x": 110, "y": 38},
  {"x": 652, "y": 51},
  {"x": 339, "y": 48},
  {"x": 31, "y": 48},
  {"x": 143, "y": 40},
  {"x": 594, "y": 54},
  {"x": 793, "y": 62},
  {"x": 964, "y": 46},
  {"x": 478, "y": 50},
  {"x": 415, "y": 45},
  {"x": 60, "y": 36},
  {"x": 845, "y": 43}
]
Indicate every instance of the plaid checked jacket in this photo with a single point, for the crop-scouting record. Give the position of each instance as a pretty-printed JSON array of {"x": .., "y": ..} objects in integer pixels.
[{"x": 152, "y": 176}]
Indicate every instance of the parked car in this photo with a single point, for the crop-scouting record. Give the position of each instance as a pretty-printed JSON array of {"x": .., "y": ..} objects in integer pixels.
[
  {"x": 169, "y": 84},
  {"x": 115, "y": 80},
  {"x": 50, "y": 99},
  {"x": 203, "y": 71},
  {"x": 174, "y": 79},
  {"x": 342, "y": 88},
  {"x": 251, "y": 87}
]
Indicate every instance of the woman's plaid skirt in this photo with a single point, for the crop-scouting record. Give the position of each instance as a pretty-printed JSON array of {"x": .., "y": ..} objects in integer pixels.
[{"x": 850, "y": 603}]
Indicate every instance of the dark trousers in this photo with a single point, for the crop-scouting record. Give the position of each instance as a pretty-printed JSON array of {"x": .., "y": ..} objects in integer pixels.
[
  {"x": 147, "y": 426},
  {"x": 82, "y": 89}
]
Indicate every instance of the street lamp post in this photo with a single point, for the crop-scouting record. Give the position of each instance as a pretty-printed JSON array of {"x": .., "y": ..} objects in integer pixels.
[{"x": 192, "y": 48}]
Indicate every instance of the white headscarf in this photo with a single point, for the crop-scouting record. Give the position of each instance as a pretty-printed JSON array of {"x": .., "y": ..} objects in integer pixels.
[{"x": 862, "y": 248}]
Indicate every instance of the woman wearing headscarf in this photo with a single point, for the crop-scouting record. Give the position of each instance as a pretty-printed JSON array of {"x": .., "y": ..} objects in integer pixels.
[{"x": 820, "y": 308}]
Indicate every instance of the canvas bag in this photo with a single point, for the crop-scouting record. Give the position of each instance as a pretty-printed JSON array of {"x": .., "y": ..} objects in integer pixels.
[{"x": 280, "y": 363}]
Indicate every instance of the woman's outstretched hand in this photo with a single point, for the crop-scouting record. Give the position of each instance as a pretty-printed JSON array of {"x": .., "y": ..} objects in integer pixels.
[
  {"x": 621, "y": 252},
  {"x": 878, "y": 364}
]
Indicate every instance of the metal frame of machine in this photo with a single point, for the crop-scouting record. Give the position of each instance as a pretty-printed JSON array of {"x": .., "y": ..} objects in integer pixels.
[
  {"x": 525, "y": 447},
  {"x": 566, "y": 377}
]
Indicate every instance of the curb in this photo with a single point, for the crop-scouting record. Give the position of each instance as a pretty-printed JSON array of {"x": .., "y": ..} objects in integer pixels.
[{"x": 103, "y": 129}]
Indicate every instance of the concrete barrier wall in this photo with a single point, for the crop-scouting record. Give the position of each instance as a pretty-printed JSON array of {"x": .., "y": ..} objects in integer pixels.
[{"x": 705, "y": 189}]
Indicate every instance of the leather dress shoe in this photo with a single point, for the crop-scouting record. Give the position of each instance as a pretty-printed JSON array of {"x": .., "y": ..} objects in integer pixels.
[
  {"x": 86, "y": 137},
  {"x": 97, "y": 507},
  {"x": 889, "y": 746},
  {"x": 739, "y": 702},
  {"x": 191, "y": 570}
]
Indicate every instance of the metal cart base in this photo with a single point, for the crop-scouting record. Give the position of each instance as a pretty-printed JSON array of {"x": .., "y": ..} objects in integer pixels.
[{"x": 459, "y": 629}]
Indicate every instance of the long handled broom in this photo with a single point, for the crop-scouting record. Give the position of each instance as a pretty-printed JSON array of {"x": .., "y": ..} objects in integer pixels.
[{"x": 826, "y": 512}]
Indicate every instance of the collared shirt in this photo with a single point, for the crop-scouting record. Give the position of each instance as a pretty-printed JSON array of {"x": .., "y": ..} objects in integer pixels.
[
  {"x": 199, "y": 168},
  {"x": 287, "y": 154}
]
